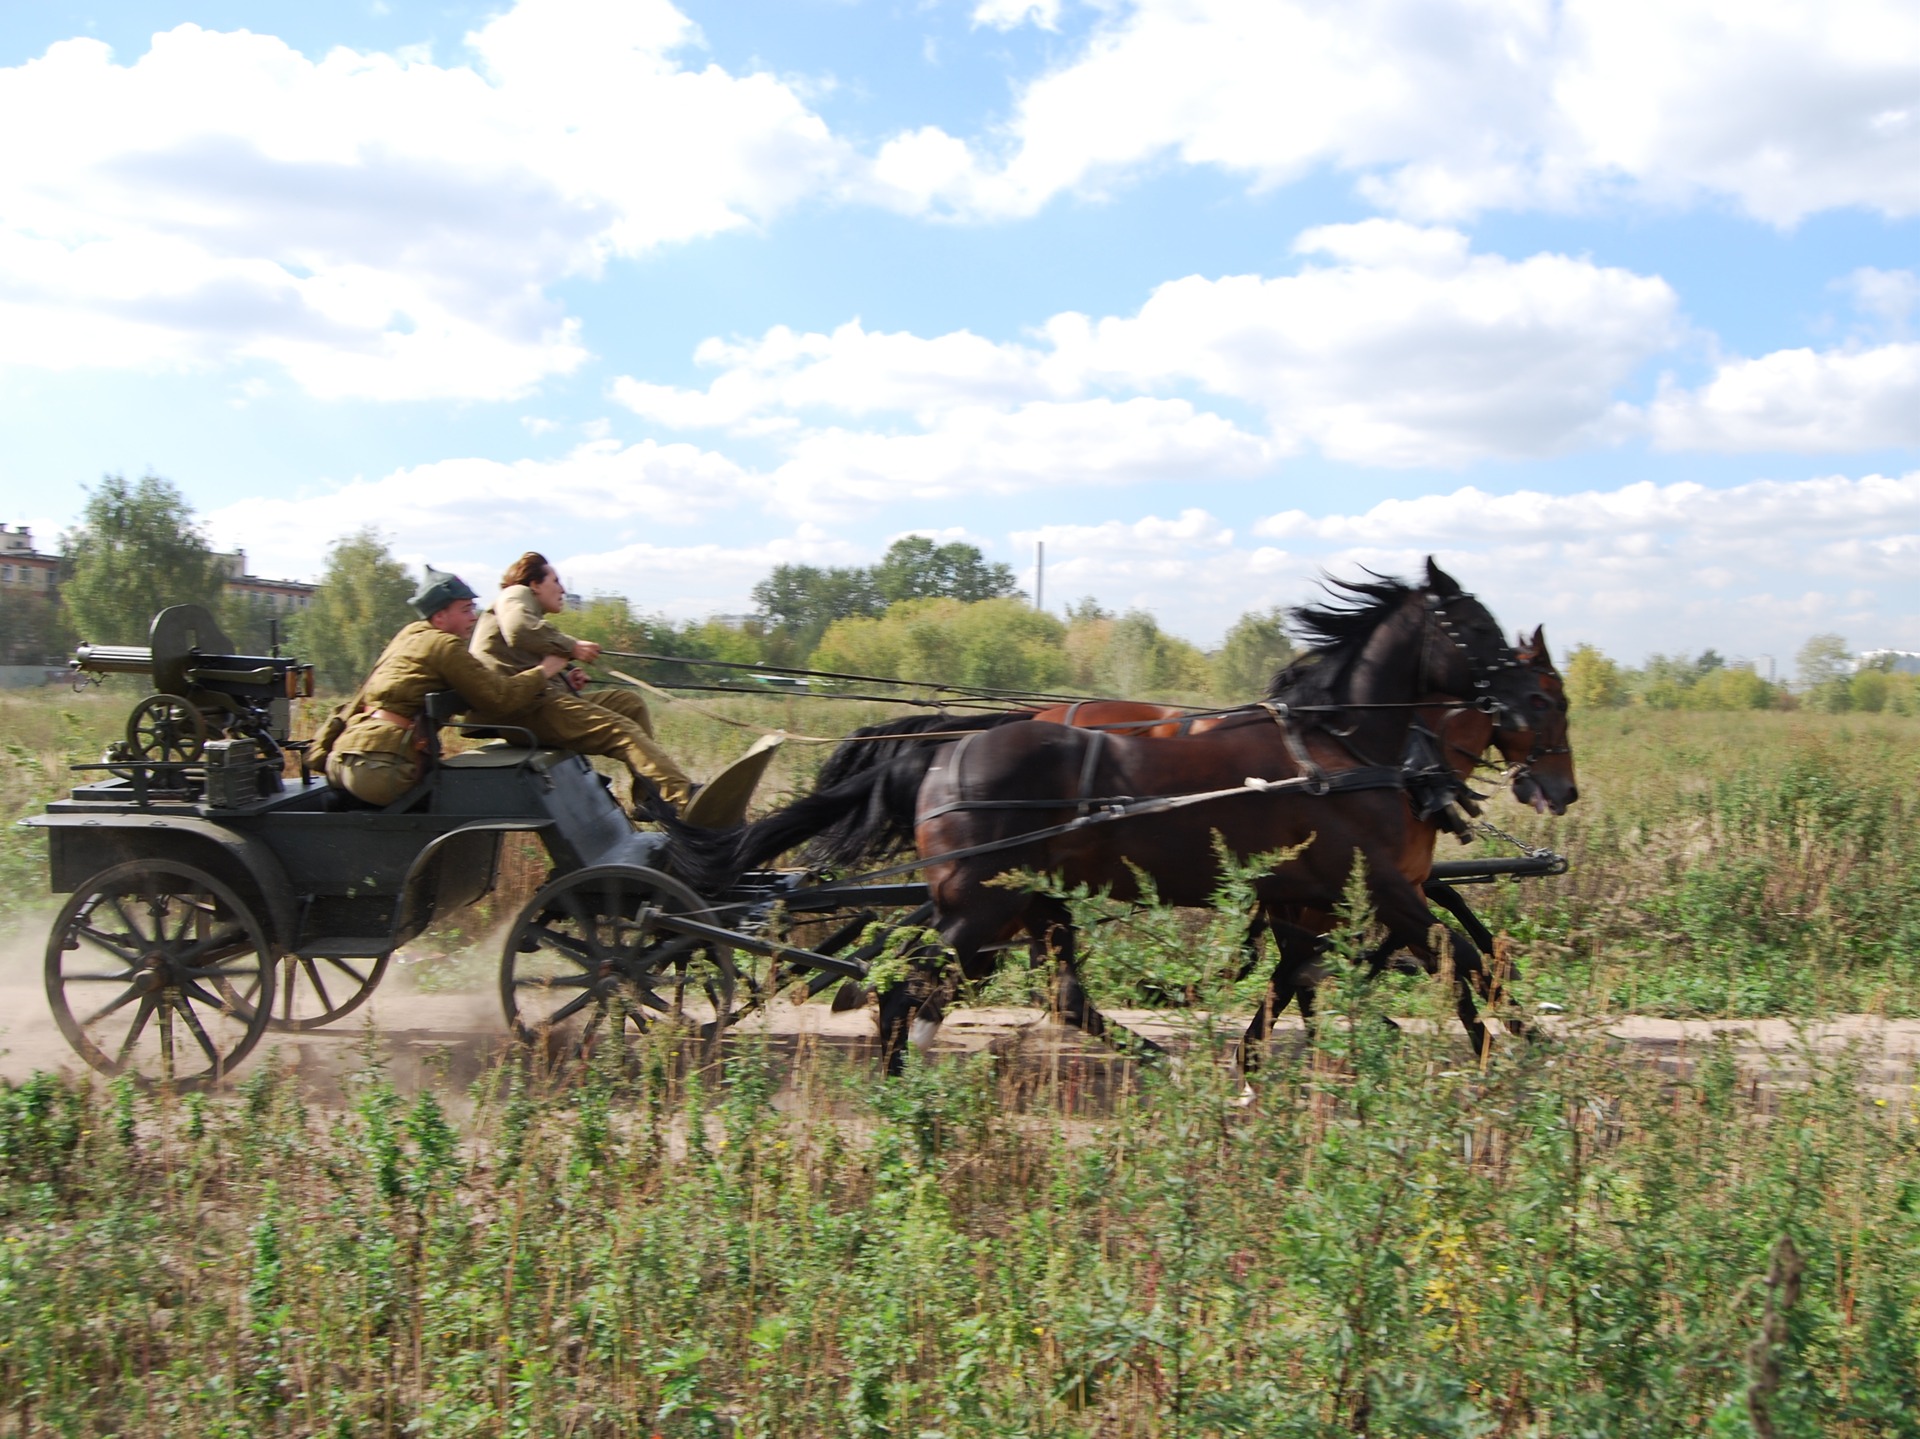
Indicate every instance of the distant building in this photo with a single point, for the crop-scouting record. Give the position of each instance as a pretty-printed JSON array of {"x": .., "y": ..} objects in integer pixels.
[
  {"x": 22, "y": 567},
  {"x": 286, "y": 596},
  {"x": 1900, "y": 662}
]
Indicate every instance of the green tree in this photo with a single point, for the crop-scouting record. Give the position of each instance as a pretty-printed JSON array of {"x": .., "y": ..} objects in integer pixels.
[
  {"x": 1868, "y": 691},
  {"x": 33, "y": 628},
  {"x": 248, "y": 621},
  {"x": 137, "y": 549},
  {"x": 799, "y": 602},
  {"x": 1824, "y": 668},
  {"x": 1254, "y": 649},
  {"x": 1004, "y": 643},
  {"x": 915, "y": 568},
  {"x": 609, "y": 621},
  {"x": 1722, "y": 688},
  {"x": 360, "y": 604},
  {"x": 1593, "y": 681},
  {"x": 1823, "y": 659}
]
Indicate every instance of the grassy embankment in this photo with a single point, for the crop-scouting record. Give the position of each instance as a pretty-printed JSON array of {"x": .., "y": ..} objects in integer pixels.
[{"x": 1389, "y": 1241}]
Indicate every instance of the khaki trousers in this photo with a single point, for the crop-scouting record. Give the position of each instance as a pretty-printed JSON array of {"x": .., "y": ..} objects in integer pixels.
[
  {"x": 591, "y": 727},
  {"x": 375, "y": 778},
  {"x": 627, "y": 703}
]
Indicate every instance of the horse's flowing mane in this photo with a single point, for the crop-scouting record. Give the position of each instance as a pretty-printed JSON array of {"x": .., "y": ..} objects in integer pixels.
[{"x": 1336, "y": 633}]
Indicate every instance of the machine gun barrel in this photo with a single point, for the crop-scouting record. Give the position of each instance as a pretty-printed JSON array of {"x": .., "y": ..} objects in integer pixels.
[{"x": 113, "y": 660}]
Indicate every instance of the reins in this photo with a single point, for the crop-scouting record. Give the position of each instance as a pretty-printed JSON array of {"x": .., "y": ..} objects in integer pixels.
[{"x": 1108, "y": 809}]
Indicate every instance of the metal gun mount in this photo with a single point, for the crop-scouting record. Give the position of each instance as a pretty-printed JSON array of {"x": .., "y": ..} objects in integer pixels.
[{"x": 202, "y": 690}]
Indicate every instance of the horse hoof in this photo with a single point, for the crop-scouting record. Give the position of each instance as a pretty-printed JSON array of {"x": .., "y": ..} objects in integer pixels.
[{"x": 851, "y": 995}]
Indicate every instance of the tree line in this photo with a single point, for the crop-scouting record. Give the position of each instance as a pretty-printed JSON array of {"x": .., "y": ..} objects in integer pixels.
[
  {"x": 924, "y": 610},
  {"x": 1826, "y": 679}
]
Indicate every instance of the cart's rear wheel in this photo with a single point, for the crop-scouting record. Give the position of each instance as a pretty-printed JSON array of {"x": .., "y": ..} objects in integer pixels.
[
  {"x": 311, "y": 992},
  {"x": 142, "y": 966},
  {"x": 167, "y": 729},
  {"x": 583, "y": 954}
]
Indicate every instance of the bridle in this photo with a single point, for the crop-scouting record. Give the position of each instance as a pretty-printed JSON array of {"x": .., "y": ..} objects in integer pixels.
[{"x": 1482, "y": 673}]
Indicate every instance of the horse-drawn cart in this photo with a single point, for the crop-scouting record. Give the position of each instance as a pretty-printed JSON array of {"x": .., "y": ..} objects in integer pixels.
[{"x": 214, "y": 896}]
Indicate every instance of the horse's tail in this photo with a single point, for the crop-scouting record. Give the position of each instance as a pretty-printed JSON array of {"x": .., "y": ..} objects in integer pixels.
[
  {"x": 703, "y": 857},
  {"x": 877, "y": 745},
  {"x": 855, "y": 810},
  {"x": 861, "y": 806},
  {"x": 881, "y": 776}
]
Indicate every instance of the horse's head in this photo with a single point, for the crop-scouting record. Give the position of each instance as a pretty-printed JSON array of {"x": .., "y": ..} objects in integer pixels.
[
  {"x": 1467, "y": 655},
  {"x": 1541, "y": 759}
]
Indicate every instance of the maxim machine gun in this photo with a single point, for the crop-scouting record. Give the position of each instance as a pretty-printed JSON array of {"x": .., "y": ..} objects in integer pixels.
[{"x": 211, "y": 709}]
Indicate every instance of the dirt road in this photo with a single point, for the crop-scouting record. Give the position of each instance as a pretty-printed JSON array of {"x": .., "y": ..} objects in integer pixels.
[{"x": 452, "y": 1038}]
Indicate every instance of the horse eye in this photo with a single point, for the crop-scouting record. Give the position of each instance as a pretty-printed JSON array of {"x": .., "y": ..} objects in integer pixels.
[{"x": 1539, "y": 702}]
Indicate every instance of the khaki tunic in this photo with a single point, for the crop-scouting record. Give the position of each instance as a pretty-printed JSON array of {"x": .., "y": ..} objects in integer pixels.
[
  {"x": 374, "y": 759},
  {"x": 515, "y": 635}
]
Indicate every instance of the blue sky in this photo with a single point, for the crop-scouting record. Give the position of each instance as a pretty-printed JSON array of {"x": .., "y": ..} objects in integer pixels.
[{"x": 1610, "y": 305}]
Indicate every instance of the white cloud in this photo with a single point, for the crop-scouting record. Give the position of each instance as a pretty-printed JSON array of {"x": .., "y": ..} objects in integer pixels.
[
  {"x": 379, "y": 226},
  {"x": 976, "y": 451},
  {"x": 694, "y": 581},
  {"x": 1749, "y": 569},
  {"x": 1886, "y": 297},
  {"x": 1444, "y": 107},
  {"x": 452, "y": 510},
  {"x": 1804, "y": 401},
  {"x": 1407, "y": 350},
  {"x": 1392, "y": 345},
  {"x": 1011, "y": 14},
  {"x": 853, "y": 371}
]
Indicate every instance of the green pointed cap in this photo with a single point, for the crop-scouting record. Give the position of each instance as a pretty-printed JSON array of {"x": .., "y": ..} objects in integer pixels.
[{"x": 440, "y": 590}]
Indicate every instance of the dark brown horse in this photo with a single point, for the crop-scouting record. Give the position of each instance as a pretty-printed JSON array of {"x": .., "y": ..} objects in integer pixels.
[
  {"x": 1540, "y": 772},
  {"x": 1352, "y": 699}
]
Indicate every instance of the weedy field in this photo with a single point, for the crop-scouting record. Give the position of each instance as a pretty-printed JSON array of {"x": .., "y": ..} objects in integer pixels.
[{"x": 1392, "y": 1238}]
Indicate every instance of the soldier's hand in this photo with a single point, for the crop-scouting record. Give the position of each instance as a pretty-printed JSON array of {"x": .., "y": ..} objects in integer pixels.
[
  {"x": 576, "y": 680},
  {"x": 586, "y": 651}
]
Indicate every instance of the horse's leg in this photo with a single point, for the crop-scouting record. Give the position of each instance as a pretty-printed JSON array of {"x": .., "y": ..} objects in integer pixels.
[
  {"x": 1455, "y": 904},
  {"x": 911, "y": 1011},
  {"x": 1487, "y": 977},
  {"x": 1402, "y": 908},
  {"x": 894, "y": 1014},
  {"x": 1292, "y": 980},
  {"x": 1052, "y": 922},
  {"x": 1250, "y": 945}
]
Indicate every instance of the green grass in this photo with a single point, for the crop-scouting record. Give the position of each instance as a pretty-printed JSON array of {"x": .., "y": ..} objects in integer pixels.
[{"x": 1389, "y": 1241}]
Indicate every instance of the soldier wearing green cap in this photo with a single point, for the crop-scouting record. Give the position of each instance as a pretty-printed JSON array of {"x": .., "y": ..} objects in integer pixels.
[{"x": 377, "y": 755}]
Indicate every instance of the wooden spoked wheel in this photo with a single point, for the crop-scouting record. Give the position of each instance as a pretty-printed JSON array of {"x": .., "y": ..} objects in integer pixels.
[
  {"x": 167, "y": 729},
  {"x": 311, "y": 992},
  {"x": 142, "y": 966},
  {"x": 584, "y": 959}
]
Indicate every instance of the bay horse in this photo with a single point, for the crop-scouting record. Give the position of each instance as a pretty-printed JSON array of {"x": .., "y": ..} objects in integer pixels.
[
  {"x": 1375, "y": 661},
  {"x": 1540, "y": 772}
]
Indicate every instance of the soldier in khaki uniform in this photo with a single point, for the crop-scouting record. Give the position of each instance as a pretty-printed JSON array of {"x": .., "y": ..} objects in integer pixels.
[
  {"x": 516, "y": 635},
  {"x": 376, "y": 758}
]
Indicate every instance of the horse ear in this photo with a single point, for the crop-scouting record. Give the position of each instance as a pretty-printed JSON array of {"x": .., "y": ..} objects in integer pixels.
[
  {"x": 1539, "y": 644},
  {"x": 1439, "y": 581}
]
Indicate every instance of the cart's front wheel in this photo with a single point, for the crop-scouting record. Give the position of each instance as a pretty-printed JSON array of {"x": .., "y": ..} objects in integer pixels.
[
  {"x": 143, "y": 965},
  {"x": 585, "y": 954}
]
